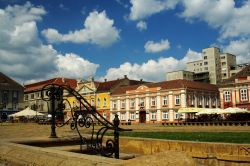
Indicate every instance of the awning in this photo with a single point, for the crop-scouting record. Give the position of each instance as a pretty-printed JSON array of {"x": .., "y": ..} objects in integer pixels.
[{"x": 189, "y": 110}]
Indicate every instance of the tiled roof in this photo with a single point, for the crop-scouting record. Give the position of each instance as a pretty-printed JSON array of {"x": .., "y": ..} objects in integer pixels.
[
  {"x": 106, "y": 86},
  {"x": 173, "y": 84},
  {"x": 8, "y": 82},
  {"x": 39, "y": 85},
  {"x": 243, "y": 73}
]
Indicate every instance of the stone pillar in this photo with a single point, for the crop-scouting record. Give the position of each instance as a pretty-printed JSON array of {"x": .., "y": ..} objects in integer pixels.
[{"x": 158, "y": 101}]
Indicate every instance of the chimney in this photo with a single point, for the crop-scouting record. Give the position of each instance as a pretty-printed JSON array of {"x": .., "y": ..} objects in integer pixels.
[
  {"x": 105, "y": 80},
  {"x": 63, "y": 80},
  {"x": 125, "y": 76},
  {"x": 141, "y": 80}
]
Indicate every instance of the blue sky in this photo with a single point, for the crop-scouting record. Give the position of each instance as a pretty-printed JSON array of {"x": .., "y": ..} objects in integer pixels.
[{"x": 108, "y": 39}]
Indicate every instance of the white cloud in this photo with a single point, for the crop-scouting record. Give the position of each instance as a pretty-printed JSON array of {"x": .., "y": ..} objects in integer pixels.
[
  {"x": 75, "y": 66},
  {"x": 241, "y": 48},
  {"x": 152, "y": 70},
  {"x": 141, "y": 25},
  {"x": 23, "y": 55},
  {"x": 153, "y": 47},
  {"x": 141, "y": 9},
  {"x": 99, "y": 29},
  {"x": 232, "y": 21}
]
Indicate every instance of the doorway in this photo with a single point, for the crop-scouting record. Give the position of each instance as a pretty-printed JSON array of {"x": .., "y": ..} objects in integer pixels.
[{"x": 142, "y": 116}]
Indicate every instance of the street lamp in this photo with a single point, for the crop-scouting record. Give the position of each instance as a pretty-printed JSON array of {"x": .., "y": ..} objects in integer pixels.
[
  {"x": 1, "y": 108},
  {"x": 34, "y": 107}
]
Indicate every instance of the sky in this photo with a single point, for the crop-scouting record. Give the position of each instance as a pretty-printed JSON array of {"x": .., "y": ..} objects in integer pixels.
[{"x": 143, "y": 39}]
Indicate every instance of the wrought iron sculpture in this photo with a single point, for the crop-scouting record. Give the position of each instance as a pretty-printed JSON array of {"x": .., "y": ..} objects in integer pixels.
[{"x": 84, "y": 115}]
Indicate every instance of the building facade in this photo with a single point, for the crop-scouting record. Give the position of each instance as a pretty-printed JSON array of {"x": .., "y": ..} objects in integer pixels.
[
  {"x": 218, "y": 65},
  {"x": 98, "y": 93},
  {"x": 11, "y": 96},
  {"x": 235, "y": 91},
  {"x": 181, "y": 74},
  {"x": 160, "y": 102},
  {"x": 32, "y": 93}
]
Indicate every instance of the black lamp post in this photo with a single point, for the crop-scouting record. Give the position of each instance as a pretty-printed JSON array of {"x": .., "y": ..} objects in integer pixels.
[
  {"x": 1, "y": 108},
  {"x": 53, "y": 112},
  {"x": 34, "y": 107}
]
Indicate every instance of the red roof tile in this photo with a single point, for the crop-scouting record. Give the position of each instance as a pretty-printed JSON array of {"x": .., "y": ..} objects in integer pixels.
[
  {"x": 173, "y": 84},
  {"x": 108, "y": 85},
  {"x": 39, "y": 85}
]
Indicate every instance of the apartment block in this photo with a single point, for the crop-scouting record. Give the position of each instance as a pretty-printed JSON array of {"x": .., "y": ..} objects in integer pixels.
[
  {"x": 228, "y": 61},
  {"x": 210, "y": 63}
]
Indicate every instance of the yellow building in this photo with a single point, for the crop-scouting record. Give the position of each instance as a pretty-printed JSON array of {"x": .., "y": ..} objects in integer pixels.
[{"x": 98, "y": 93}]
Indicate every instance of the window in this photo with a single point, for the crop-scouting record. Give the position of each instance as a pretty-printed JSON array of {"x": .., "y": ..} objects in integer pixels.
[
  {"x": 243, "y": 95},
  {"x": 114, "y": 104},
  {"x": 205, "y": 57},
  {"x": 5, "y": 97},
  {"x": 223, "y": 57},
  {"x": 132, "y": 103},
  {"x": 200, "y": 64},
  {"x": 142, "y": 102},
  {"x": 177, "y": 100},
  {"x": 14, "y": 105},
  {"x": 26, "y": 97},
  {"x": 32, "y": 96},
  {"x": 207, "y": 101},
  {"x": 176, "y": 115},
  {"x": 15, "y": 94},
  {"x": 132, "y": 115},
  {"x": 200, "y": 100},
  {"x": 213, "y": 101},
  {"x": 164, "y": 115},
  {"x": 205, "y": 63},
  {"x": 164, "y": 100},
  {"x": 191, "y": 100},
  {"x": 123, "y": 104},
  {"x": 104, "y": 102},
  {"x": 206, "y": 68},
  {"x": 227, "y": 96},
  {"x": 98, "y": 102},
  {"x": 223, "y": 63},
  {"x": 123, "y": 116},
  {"x": 152, "y": 101},
  {"x": 153, "y": 115}
]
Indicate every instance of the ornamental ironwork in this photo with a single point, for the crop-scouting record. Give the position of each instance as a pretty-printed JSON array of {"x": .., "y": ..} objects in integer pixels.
[{"x": 83, "y": 115}]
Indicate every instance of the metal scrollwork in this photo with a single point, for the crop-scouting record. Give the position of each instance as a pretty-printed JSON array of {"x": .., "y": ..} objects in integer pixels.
[{"x": 82, "y": 116}]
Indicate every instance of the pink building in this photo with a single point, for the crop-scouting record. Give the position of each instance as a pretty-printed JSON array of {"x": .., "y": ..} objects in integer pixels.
[
  {"x": 160, "y": 102},
  {"x": 235, "y": 91}
]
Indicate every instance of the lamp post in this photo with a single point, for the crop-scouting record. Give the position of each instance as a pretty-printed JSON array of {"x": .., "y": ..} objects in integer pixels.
[
  {"x": 53, "y": 112},
  {"x": 34, "y": 106},
  {"x": 1, "y": 108}
]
